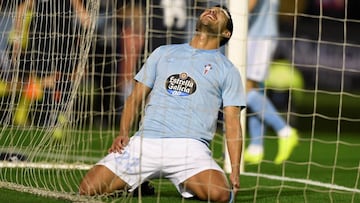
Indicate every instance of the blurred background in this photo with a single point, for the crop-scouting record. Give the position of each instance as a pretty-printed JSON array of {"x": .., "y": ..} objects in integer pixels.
[{"x": 319, "y": 40}]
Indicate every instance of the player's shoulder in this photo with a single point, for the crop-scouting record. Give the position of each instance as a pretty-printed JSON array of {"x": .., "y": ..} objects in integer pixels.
[
  {"x": 223, "y": 60},
  {"x": 169, "y": 47}
]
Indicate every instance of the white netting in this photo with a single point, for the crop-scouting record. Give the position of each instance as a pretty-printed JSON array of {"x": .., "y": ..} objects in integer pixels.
[
  {"x": 66, "y": 69},
  {"x": 312, "y": 83}
]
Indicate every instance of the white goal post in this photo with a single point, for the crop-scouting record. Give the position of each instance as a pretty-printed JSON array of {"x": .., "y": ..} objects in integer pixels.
[{"x": 236, "y": 52}]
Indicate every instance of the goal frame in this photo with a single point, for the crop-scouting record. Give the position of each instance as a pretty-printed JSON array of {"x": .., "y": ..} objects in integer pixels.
[{"x": 236, "y": 52}]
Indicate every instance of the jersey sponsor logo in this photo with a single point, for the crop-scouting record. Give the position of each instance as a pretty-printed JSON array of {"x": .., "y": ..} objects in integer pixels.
[{"x": 180, "y": 85}]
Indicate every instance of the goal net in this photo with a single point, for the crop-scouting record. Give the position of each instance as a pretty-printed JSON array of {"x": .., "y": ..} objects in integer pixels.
[
  {"x": 67, "y": 66},
  {"x": 312, "y": 84}
]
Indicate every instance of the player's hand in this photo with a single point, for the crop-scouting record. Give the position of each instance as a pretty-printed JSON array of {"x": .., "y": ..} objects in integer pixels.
[
  {"x": 119, "y": 144},
  {"x": 235, "y": 182}
]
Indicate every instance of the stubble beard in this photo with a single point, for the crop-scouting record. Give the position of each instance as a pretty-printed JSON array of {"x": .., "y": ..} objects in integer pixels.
[{"x": 207, "y": 27}]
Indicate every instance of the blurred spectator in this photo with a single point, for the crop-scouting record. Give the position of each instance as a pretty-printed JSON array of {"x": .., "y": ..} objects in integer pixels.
[
  {"x": 115, "y": 56},
  {"x": 132, "y": 38},
  {"x": 45, "y": 52},
  {"x": 103, "y": 63},
  {"x": 5, "y": 26}
]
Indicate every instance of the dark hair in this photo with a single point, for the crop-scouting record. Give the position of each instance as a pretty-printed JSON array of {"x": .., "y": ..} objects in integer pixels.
[{"x": 229, "y": 25}]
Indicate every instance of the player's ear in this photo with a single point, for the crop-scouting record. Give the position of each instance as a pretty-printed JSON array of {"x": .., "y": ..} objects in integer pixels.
[{"x": 226, "y": 34}]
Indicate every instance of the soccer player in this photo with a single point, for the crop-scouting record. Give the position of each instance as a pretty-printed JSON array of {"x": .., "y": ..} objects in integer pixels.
[
  {"x": 183, "y": 87},
  {"x": 263, "y": 28}
]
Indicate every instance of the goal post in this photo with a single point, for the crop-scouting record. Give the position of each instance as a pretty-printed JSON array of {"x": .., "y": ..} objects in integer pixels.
[{"x": 236, "y": 52}]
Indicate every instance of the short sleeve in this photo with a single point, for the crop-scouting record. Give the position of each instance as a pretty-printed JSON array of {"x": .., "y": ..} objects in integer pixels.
[
  {"x": 147, "y": 73},
  {"x": 233, "y": 91}
]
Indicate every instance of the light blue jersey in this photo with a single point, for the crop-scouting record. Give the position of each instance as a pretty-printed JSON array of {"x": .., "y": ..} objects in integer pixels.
[
  {"x": 188, "y": 88},
  {"x": 263, "y": 20}
]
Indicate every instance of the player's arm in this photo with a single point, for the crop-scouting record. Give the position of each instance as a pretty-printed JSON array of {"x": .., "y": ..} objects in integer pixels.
[
  {"x": 234, "y": 141},
  {"x": 129, "y": 115}
]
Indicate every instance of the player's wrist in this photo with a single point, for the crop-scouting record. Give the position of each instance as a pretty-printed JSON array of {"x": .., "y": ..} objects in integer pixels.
[{"x": 235, "y": 168}]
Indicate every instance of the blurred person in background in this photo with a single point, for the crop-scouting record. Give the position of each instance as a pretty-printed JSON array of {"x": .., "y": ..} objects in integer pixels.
[
  {"x": 262, "y": 36},
  {"x": 45, "y": 51}
]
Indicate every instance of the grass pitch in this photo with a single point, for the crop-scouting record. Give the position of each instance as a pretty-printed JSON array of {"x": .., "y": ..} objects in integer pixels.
[{"x": 329, "y": 174}]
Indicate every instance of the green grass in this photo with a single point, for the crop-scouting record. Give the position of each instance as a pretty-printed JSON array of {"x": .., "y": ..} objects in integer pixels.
[
  {"x": 327, "y": 150},
  {"x": 11, "y": 196}
]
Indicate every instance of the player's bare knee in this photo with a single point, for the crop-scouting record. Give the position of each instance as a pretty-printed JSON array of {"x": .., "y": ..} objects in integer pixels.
[
  {"x": 215, "y": 195},
  {"x": 83, "y": 191},
  {"x": 220, "y": 196},
  {"x": 89, "y": 184},
  {"x": 85, "y": 188},
  {"x": 89, "y": 187}
]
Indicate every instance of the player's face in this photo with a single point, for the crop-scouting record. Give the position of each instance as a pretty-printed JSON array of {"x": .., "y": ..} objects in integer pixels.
[{"x": 213, "y": 20}]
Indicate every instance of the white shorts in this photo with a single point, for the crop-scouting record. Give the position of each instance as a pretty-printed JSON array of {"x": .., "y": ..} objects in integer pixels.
[
  {"x": 174, "y": 158},
  {"x": 259, "y": 57}
]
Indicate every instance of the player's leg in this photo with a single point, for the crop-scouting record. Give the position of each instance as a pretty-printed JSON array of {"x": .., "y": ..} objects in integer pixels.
[
  {"x": 288, "y": 137},
  {"x": 259, "y": 55},
  {"x": 104, "y": 176},
  {"x": 209, "y": 185},
  {"x": 255, "y": 150},
  {"x": 123, "y": 171},
  {"x": 100, "y": 180},
  {"x": 189, "y": 165},
  {"x": 263, "y": 108}
]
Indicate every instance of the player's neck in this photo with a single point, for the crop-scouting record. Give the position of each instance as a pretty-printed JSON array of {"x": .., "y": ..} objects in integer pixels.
[{"x": 204, "y": 41}]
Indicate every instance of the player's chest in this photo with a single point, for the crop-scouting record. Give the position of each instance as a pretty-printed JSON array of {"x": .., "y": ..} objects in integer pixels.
[{"x": 185, "y": 76}]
